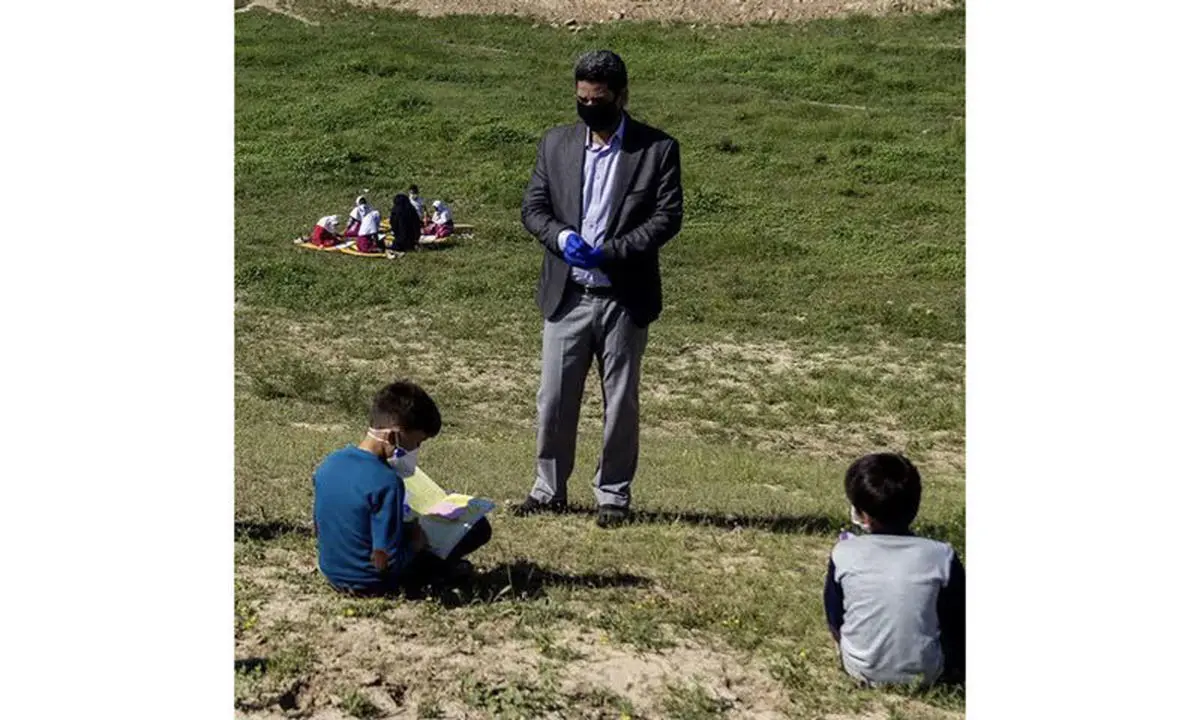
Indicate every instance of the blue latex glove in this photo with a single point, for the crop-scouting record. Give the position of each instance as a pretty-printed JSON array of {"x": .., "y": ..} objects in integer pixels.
[
  {"x": 581, "y": 255},
  {"x": 574, "y": 244},
  {"x": 593, "y": 256}
]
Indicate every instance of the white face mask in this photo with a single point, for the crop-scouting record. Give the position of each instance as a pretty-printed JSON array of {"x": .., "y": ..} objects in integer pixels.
[
  {"x": 857, "y": 519},
  {"x": 404, "y": 463}
]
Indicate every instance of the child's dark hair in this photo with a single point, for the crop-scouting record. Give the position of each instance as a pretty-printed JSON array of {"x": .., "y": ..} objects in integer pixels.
[
  {"x": 404, "y": 404},
  {"x": 412, "y": 190},
  {"x": 887, "y": 487}
]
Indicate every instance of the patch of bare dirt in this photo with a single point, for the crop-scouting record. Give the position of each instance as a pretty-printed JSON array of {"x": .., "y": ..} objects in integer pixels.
[
  {"x": 281, "y": 7},
  {"x": 398, "y": 657},
  {"x": 575, "y": 13},
  {"x": 778, "y": 391},
  {"x": 643, "y": 676}
]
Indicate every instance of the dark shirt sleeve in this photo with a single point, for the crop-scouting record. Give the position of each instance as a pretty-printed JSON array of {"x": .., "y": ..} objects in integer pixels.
[
  {"x": 834, "y": 609},
  {"x": 387, "y": 529},
  {"x": 952, "y": 619}
]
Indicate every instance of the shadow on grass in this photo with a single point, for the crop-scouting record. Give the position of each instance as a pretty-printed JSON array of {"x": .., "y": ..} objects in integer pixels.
[
  {"x": 788, "y": 524},
  {"x": 517, "y": 581},
  {"x": 250, "y": 665},
  {"x": 520, "y": 580},
  {"x": 955, "y": 534},
  {"x": 783, "y": 524},
  {"x": 268, "y": 529}
]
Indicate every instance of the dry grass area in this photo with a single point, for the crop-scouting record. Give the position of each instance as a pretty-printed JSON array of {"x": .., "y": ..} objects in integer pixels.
[
  {"x": 579, "y": 13},
  {"x": 648, "y": 624},
  {"x": 798, "y": 396},
  {"x": 690, "y": 11},
  {"x": 389, "y": 656},
  {"x": 707, "y": 608}
]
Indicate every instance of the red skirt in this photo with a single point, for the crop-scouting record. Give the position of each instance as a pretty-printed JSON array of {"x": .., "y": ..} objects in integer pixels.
[
  {"x": 322, "y": 237},
  {"x": 438, "y": 231},
  {"x": 368, "y": 243}
]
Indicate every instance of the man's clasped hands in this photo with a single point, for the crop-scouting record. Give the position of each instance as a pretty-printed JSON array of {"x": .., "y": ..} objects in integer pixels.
[{"x": 579, "y": 254}]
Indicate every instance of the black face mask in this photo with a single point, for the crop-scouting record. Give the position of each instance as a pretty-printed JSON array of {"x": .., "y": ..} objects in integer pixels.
[{"x": 599, "y": 117}]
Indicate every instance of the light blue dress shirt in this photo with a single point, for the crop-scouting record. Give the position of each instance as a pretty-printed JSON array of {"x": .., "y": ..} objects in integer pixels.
[{"x": 599, "y": 175}]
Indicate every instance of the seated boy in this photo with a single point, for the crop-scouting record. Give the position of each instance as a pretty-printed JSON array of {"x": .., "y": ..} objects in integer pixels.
[
  {"x": 896, "y": 603},
  {"x": 363, "y": 544}
]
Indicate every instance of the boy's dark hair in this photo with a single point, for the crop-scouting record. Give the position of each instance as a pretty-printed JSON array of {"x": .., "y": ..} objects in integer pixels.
[
  {"x": 602, "y": 66},
  {"x": 412, "y": 189},
  {"x": 404, "y": 404},
  {"x": 887, "y": 487}
]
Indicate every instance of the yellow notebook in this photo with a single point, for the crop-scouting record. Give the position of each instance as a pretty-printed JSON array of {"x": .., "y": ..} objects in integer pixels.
[
  {"x": 421, "y": 492},
  {"x": 432, "y": 505}
]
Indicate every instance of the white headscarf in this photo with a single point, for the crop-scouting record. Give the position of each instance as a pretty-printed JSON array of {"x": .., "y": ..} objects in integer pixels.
[
  {"x": 370, "y": 223},
  {"x": 441, "y": 213},
  {"x": 361, "y": 208},
  {"x": 329, "y": 222}
]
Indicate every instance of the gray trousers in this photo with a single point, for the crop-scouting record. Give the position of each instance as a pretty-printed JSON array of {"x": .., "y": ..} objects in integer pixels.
[{"x": 587, "y": 327}]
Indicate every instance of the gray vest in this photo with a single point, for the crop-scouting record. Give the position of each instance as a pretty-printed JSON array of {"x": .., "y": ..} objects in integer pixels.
[{"x": 890, "y": 586}]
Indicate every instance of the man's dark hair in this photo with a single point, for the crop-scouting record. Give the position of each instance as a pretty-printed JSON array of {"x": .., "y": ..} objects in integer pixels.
[
  {"x": 602, "y": 66},
  {"x": 887, "y": 487},
  {"x": 412, "y": 189},
  {"x": 405, "y": 405}
]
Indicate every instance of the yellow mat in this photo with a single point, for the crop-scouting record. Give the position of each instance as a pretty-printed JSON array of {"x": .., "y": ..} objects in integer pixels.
[
  {"x": 348, "y": 246},
  {"x": 304, "y": 243},
  {"x": 351, "y": 250},
  {"x": 385, "y": 225}
]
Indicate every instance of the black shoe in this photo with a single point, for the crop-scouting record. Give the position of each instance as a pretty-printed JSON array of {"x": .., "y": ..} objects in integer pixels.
[
  {"x": 613, "y": 515},
  {"x": 532, "y": 506}
]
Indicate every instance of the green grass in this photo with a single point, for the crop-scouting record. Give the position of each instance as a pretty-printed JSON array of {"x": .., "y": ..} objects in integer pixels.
[
  {"x": 515, "y": 699},
  {"x": 770, "y": 236},
  {"x": 357, "y": 705},
  {"x": 814, "y": 312}
]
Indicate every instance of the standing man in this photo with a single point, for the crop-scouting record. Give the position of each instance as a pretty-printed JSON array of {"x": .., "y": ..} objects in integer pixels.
[{"x": 604, "y": 197}]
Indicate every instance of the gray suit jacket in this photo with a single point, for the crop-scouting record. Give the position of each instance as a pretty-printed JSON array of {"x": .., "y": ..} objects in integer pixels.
[{"x": 647, "y": 212}]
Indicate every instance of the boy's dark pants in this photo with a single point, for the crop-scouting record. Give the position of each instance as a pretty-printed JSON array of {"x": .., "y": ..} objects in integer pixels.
[{"x": 426, "y": 566}]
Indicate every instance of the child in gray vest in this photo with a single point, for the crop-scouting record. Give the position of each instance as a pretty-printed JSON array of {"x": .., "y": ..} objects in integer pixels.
[{"x": 895, "y": 603}]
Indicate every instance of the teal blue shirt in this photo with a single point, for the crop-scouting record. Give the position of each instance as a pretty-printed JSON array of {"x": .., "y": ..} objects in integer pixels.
[{"x": 358, "y": 508}]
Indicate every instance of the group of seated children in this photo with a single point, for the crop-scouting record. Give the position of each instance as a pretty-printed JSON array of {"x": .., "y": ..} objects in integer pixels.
[
  {"x": 408, "y": 218},
  {"x": 895, "y": 602}
]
